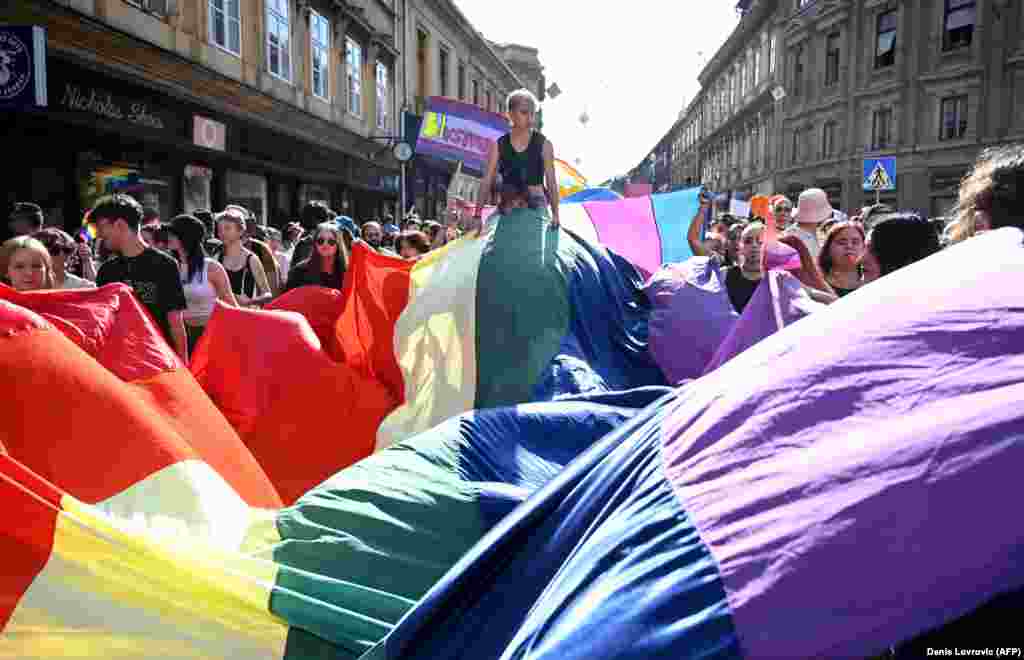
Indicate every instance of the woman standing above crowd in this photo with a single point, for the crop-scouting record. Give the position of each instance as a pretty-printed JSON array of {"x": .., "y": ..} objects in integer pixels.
[
  {"x": 203, "y": 279},
  {"x": 327, "y": 265},
  {"x": 245, "y": 270},
  {"x": 523, "y": 156}
]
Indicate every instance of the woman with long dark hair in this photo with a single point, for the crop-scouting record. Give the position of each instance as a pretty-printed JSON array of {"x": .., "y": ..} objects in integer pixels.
[
  {"x": 412, "y": 244},
  {"x": 840, "y": 257},
  {"x": 203, "y": 279},
  {"x": 327, "y": 265}
]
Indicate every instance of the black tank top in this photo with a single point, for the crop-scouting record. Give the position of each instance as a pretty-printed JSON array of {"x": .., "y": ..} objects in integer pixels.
[
  {"x": 243, "y": 282},
  {"x": 523, "y": 168}
]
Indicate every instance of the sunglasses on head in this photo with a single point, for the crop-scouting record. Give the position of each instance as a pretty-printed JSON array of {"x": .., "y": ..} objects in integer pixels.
[{"x": 326, "y": 241}]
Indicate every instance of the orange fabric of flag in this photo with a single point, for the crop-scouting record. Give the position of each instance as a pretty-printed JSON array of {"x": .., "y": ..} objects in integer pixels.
[
  {"x": 97, "y": 418},
  {"x": 377, "y": 289},
  {"x": 31, "y": 504},
  {"x": 303, "y": 415},
  {"x": 321, "y": 307}
]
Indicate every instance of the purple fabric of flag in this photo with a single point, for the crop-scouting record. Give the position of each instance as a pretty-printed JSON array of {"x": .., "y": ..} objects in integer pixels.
[
  {"x": 779, "y": 300},
  {"x": 852, "y": 474},
  {"x": 690, "y": 316}
]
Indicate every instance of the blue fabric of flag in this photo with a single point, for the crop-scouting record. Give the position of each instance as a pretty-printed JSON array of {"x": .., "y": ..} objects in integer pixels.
[
  {"x": 603, "y": 563},
  {"x": 673, "y": 212}
]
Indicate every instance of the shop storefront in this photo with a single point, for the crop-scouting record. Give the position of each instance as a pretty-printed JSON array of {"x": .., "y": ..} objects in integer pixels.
[{"x": 102, "y": 134}]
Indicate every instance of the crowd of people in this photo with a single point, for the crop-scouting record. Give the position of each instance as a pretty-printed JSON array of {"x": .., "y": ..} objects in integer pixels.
[
  {"x": 179, "y": 269},
  {"x": 839, "y": 252}
]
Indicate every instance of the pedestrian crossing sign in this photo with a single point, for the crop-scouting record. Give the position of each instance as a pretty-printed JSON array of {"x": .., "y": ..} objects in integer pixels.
[{"x": 879, "y": 174}]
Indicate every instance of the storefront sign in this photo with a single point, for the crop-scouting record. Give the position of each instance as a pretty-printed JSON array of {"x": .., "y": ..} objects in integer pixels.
[
  {"x": 101, "y": 102},
  {"x": 22, "y": 67},
  {"x": 198, "y": 172},
  {"x": 81, "y": 92},
  {"x": 455, "y": 131},
  {"x": 209, "y": 133}
]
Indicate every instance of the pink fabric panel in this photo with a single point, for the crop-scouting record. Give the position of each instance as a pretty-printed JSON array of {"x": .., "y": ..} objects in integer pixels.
[{"x": 627, "y": 226}]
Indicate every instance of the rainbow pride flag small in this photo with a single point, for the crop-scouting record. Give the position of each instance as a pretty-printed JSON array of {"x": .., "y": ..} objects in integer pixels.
[{"x": 570, "y": 181}]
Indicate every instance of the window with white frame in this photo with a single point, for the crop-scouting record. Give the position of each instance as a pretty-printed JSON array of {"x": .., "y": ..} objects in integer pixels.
[
  {"x": 881, "y": 128},
  {"x": 354, "y": 76},
  {"x": 279, "y": 39},
  {"x": 885, "y": 39},
  {"x": 828, "y": 139},
  {"x": 320, "y": 47},
  {"x": 798, "y": 69},
  {"x": 771, "y": 55},
  {"x": 442, "y": 69},
  {"x": 832, "y": 59},
  {"x": 226, "y": 26},
  {"x": 958, "y": 22},
  {"x": 953, "y": 118},
  {"x": 382, "y": 96}
]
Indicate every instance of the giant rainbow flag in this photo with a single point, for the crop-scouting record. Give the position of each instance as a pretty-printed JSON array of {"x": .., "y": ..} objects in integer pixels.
[
  {"x": 834, "y": 491},
  {"x": 533, "y": 490},
  {"x": 142, "y": 527},
  {"x": 522, "y": 314}
]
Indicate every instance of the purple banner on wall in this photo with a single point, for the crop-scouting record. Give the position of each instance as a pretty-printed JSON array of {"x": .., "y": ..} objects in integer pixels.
[{"x": 456, "y": 131}]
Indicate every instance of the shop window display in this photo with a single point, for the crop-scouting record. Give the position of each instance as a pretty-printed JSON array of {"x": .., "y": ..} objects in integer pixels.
[
  {"x": 309, "y": 192},
  {"x": 104, "y": 179},
  {"x": 198, "y": 184},
  {"x": 248, "y": 190}
]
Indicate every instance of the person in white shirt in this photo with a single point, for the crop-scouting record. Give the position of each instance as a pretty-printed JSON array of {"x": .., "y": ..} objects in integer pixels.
[
  {"x": 812, "y": 209},
  {"x": 203, "y": 279},
  {"x": 61, "y": 248}
]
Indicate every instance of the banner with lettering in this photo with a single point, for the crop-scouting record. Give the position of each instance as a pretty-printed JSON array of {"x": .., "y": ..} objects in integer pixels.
[
  {"x": 22, "y": 67},
  {"x": 455, "y": 131}
]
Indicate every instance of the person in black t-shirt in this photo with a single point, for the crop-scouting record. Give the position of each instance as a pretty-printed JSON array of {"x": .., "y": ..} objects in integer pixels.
[
  {"x": 152, "y": 275},
  {"x": 741, "y": 280}
]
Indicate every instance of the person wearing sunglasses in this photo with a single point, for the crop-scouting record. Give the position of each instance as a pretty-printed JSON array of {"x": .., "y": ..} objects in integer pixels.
[
  {"x": 62, "y": 251},
  {"x": 327, "y": 264}
]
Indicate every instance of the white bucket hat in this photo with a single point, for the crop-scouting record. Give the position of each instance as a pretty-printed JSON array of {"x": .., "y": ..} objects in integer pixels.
[{"x": 812, "y": 207}]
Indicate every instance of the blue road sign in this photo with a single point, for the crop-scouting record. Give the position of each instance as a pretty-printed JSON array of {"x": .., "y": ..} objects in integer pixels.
[{"x": 879, "y": 174}]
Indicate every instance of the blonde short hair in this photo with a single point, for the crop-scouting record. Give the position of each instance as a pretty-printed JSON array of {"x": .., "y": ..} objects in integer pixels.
[
  {"x": 8, "y": 249},
  {"x": 520, "y": 95}
]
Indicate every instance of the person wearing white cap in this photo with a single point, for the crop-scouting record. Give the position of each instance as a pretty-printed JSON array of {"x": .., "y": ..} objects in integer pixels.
[{"x": 812, "y": 209}]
